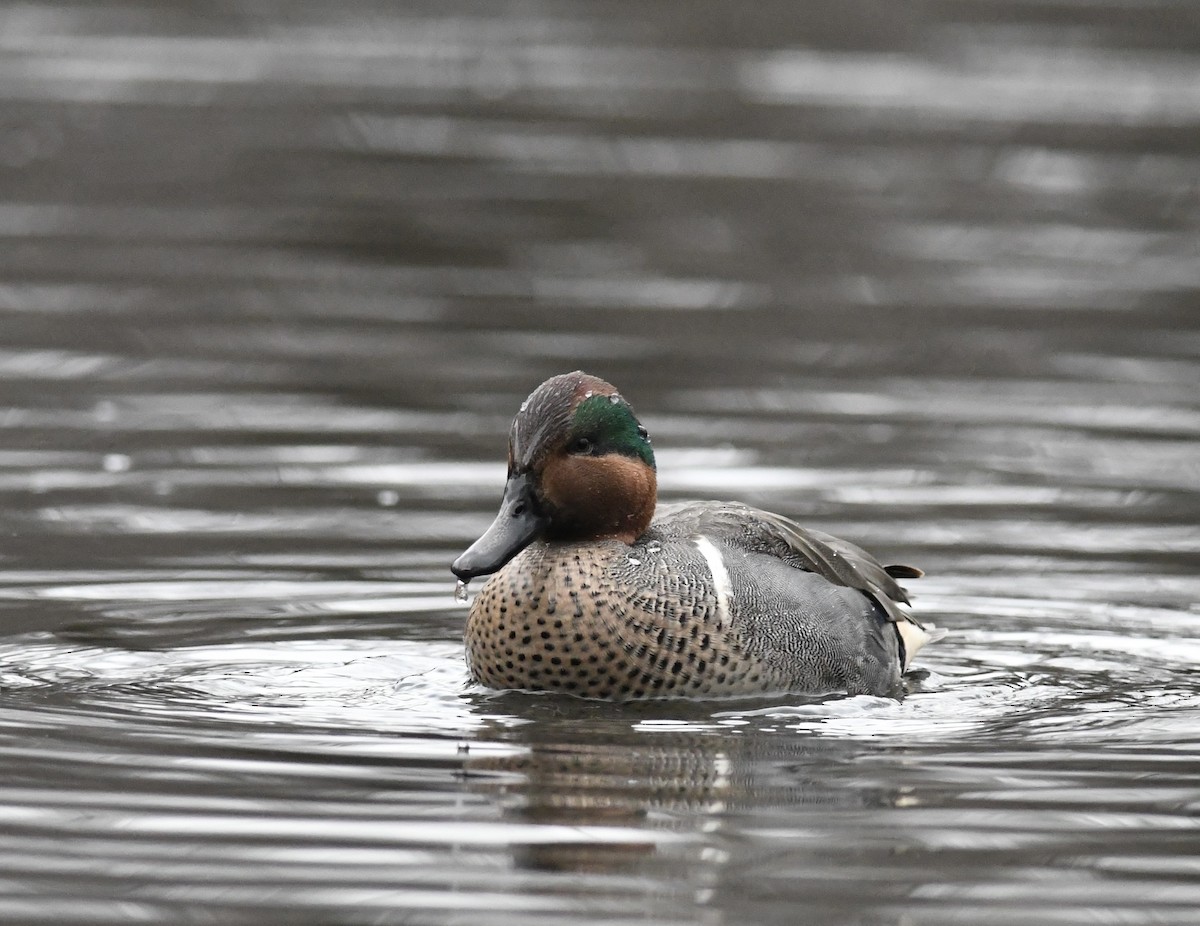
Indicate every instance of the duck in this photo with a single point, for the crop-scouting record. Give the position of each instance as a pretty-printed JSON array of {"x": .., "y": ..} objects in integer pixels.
[{"x": 596, "y": 590}]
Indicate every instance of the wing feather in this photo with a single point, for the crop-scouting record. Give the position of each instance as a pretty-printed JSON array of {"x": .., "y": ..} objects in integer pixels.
[{"x": 758, "y": 531}]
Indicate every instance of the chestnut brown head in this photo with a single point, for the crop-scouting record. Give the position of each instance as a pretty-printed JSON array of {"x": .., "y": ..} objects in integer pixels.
[{"x": 580, "y": 467}]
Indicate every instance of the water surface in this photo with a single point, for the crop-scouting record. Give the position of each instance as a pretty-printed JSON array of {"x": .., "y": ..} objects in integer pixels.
[{"x": 273, "y": 281}]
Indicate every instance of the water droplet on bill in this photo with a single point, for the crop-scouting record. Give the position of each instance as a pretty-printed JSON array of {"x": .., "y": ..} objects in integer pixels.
[{"x": 460, "y": 592}]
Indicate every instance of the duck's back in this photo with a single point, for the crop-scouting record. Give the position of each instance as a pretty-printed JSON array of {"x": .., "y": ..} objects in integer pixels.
[{"x": 705, "y": 604}]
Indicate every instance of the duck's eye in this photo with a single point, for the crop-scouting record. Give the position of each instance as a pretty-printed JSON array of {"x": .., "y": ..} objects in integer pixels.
[
  {"x": 580, "y": 445},
  {"x": 643, "y": 434}
]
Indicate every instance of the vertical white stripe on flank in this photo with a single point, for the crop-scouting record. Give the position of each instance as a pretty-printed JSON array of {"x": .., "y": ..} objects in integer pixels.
[{"x": 716, "y": 565}]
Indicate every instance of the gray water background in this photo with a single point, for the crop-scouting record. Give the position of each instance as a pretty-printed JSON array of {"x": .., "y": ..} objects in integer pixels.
[{"x": 273, "y": 279}]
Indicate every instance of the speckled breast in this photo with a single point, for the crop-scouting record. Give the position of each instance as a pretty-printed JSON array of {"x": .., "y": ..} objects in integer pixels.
[{"x": 605, "y": 620}]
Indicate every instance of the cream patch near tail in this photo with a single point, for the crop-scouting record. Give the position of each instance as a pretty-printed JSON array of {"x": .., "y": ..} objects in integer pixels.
[{"x": 915, "y": 637}]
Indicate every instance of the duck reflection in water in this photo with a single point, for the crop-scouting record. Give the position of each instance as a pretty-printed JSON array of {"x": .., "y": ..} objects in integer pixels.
[{"x": 633, "y": 784}]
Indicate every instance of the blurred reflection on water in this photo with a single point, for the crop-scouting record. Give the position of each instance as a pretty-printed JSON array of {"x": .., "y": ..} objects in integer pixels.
[{"x": 273, "y": 279}]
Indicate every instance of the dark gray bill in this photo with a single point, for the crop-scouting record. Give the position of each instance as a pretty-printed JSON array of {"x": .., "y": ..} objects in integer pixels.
[{"x": 515, "y": 527}]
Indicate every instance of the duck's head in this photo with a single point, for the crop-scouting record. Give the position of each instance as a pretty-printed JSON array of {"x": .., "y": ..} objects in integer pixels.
[{"x": 580, "y": 468}]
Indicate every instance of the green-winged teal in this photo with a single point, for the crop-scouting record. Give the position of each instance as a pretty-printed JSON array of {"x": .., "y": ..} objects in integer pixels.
[{"x": 595, "y": 593}]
